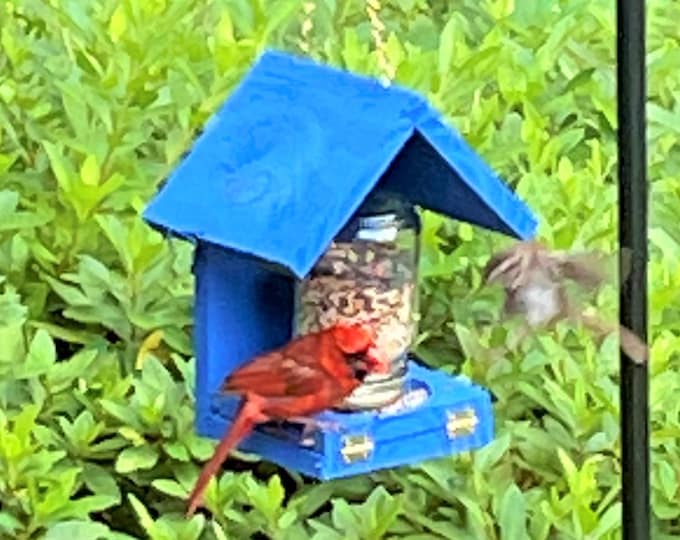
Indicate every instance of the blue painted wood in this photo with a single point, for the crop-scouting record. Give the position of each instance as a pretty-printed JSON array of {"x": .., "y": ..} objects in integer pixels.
[
  {"x": 399, "y": 439},
  {"x": 297, "y": 147},
  {"x": 243, "y": 309}
]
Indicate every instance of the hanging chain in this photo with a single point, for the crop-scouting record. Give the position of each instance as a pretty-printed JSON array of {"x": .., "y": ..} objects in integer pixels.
[
  {"x": 388, "y": 70},
  {"x": 373, "y": 7},
  {"x": 308, "y": 7}
]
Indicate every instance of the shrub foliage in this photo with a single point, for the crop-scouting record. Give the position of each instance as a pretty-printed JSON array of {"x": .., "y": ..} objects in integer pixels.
[{"x": 99, "y": 99}]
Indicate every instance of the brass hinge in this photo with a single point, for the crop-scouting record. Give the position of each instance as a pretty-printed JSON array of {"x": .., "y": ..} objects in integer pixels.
[
  {"x": 459, "y": 424},
  {"x": 356, "y": 447}
]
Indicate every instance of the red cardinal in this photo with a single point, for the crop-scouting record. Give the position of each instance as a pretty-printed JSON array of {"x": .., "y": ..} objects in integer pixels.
[{"x": 310, "y": 374}]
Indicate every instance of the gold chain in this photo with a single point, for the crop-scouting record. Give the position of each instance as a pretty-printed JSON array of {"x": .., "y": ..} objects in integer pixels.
[
  {"x": 388, "y": 71},
  {"x": 308, "y": 8},
  {"x": 373, "y": 7}
]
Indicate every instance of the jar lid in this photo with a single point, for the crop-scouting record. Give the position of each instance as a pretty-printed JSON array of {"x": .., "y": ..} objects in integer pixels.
[
  {"x": 380, "y": 218},
  {"x": 381, "y": 228}
]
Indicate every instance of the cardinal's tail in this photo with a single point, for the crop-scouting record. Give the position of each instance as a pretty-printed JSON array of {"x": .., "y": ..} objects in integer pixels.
[{"x": 246, "y": 418}]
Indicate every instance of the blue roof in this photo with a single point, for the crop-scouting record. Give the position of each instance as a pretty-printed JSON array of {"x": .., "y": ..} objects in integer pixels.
[{"x": 297, "y": 147}]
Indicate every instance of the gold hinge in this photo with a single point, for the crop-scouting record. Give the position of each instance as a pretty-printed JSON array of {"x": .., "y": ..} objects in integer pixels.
[
  {"x": 461, "y": 423},
  {"x": 356, "y": 447}
]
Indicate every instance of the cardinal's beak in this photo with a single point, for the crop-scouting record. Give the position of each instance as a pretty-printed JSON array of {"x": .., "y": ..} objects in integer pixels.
[{"x": 379, "y": 363}]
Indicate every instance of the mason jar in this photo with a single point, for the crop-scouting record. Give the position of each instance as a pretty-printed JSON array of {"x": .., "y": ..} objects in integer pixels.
[{"x": 369, "y": 274}]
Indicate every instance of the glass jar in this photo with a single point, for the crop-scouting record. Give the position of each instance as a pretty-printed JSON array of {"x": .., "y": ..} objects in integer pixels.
[{"x": 369, "y": 275}]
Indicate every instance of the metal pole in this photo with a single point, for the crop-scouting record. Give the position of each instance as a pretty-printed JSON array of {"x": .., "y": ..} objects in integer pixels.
[{"x": 633, "y": 197}]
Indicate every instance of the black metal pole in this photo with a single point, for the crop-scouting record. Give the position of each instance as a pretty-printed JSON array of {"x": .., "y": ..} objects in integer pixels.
[{"x": 633, "y": 197}]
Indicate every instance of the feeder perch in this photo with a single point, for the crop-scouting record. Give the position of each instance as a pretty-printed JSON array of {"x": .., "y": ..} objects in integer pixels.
[{"x": 297, "y": 154}]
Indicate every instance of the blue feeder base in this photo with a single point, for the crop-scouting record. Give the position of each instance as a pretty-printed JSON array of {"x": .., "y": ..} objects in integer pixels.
[{"x": 455, "y": 416}]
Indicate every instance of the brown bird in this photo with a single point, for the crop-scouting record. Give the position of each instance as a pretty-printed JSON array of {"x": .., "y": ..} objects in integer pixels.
[
  {"x": 310, "y": 374},
  {"x": 535, "y": 281}
]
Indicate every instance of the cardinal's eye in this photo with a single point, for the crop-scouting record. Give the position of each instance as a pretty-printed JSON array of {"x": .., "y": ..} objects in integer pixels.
[{"x": 360, "y": 374}]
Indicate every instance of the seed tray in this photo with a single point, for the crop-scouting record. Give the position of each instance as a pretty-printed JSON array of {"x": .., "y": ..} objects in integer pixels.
[{"x": 441, "y": 416}]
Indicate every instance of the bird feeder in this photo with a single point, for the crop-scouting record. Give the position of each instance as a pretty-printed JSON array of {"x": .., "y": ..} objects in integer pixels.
[
  {"x": 369, "y": 275},
  {"x": 301, "y": 195}
]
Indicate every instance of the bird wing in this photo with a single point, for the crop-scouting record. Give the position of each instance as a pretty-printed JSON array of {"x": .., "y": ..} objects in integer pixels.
[
  {"x": 586, "y": 269},
  {"x": 294, "y": 370}
]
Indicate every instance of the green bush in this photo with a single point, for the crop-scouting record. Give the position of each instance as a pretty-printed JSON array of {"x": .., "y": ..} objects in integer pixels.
[{"x": 99, "y": 99}]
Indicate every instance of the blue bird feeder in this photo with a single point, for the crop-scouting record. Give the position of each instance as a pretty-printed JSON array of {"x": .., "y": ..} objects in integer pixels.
[{"x": 280, "y": 173}]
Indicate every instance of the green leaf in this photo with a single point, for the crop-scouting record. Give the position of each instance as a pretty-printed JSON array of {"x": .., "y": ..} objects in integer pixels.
[
  {"x": 665, "y": 118},
  {"x": 8, "y": 203},
  {"x": 488, "y": 456},
  {"x": 176, "y": 451},
  {"x": 475, "y": 515},
  {"x": 192, "y": 529},
  {"x": 101, "y": 481},
  {"x": 512, "y": 514},
  {"x": 343, "y": 516},
  {"x": 155, "y": 374},
  {"x": 59, "y": 165},
  {"x": 76, "y": 529},
  {"x": 170, "y": 487},
  {"x": 447, "y": 44},
  {"x": 116, "y": 233},
  {"x": 92, "y": 503},
  {"x": 70, "y": 294},
  {"x": 275, "y": 491},
  {"x": 25, "y": 220},
  {"x": 279, "y": 14},
  {"x": 84, "y": 428},
  {"x": 384, "y": 510},
  {"x": 135, "y": 458},
  {"x": 64, "y": 374},
  {"x": 89, "y": 172},
  {"x": 117, "y": 23},
  {"x": 40, "y": 359},
  {"x": 568, "y": 465},
  {"x": 125, "y": 414},
  {"x": 200, "y": 447},
  {"x": 668, "y": 479},
  {"x": 609, "y": 522},
  {"x": 8, "y": 523},
  {"x": 145, "y": 519},
  {"x": 219, "y": 531}
]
